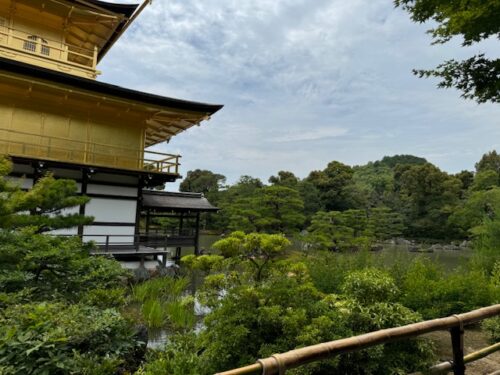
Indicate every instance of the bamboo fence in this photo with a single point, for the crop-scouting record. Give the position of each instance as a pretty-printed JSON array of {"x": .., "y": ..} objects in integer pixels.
[{"x": 279, "y": 363}]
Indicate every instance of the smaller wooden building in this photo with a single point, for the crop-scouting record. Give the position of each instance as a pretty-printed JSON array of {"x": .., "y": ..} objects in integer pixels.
[
  {"x": 175, "y": 216},
  {"x": 168, "y": 220}
]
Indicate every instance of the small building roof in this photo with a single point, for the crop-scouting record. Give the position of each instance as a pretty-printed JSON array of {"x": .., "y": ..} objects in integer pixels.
[{"x": 173, "y": 201}]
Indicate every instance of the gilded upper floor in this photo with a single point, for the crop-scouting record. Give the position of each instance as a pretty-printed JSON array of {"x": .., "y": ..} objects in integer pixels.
[
  {"x": 52, "y": 108},
  {"x": 68, "y": 36}
]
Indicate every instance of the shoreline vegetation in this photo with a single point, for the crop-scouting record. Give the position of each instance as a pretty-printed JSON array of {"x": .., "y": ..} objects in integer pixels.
[{"x": 300, "y": 261}]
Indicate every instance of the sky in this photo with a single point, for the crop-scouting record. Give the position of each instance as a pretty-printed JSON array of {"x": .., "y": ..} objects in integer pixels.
[{"x": 303, "y": 82}]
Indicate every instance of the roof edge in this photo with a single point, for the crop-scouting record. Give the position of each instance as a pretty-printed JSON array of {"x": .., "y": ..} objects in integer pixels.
[{"x": 43, "y": 74}]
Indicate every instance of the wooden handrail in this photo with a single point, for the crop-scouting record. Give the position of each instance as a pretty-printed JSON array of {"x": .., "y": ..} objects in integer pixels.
[
  {"x": 21, "y": 35},
  {"x": 144, "y": 159},
  {"x": 279, "y": 363}
]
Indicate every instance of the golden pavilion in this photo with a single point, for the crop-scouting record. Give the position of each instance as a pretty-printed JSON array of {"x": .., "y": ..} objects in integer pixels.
[{"x": 56, "y": 117}]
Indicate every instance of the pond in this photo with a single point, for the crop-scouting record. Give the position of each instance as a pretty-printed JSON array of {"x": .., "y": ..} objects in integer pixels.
[{"x": 449, "y": 259}]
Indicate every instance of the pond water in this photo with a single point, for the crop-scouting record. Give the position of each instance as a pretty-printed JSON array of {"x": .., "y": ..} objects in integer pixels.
[{"x": 449, "y": 259}]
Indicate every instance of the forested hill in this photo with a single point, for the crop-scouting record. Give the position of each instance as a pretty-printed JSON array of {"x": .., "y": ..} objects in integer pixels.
[{"x": 401, "y": 195}]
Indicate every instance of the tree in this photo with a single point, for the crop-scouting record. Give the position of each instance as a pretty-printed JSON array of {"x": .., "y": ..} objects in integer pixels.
[
  {"x": 384, "y": 223},
  {"x": 43, "y": 208},
  {"x": 280, "y": 209},
  {"x": 489, "y": 162},
  {"x": 272, "y": 209},
  {"x": 257, "y": 249},
  {"x": 467, "y": 178},
  {"x": 202, "y": 181},
  {"x": 484, "y": 180},
  {"x": 479, "y": 207},
  {"x": 57, "y": 303},
  {"x": 284, "y": 178},
  {"x": 352, "y": 229},
  {"x": 403, "y": 159},
  {"x": 477, "y": 77},
  {"x": 336, "y": 186},
  {"x": 428, "y": 197}
]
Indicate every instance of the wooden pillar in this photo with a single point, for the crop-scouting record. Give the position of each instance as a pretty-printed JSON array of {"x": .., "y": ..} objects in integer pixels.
[
  {"x": 181, "y": 223},
  {"x": 164, "y": 259},
  {"x": 85, "y": 179},
  {"x": 197, "y": 235},
  {"x": 457, "y": 343},
  {"x": 148, "y": 221}
]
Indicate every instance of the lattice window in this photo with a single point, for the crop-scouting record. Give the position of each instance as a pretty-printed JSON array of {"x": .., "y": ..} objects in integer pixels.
[
  {"x": 33, "y": 41},
  {"x": 30, "y": 44},
  {"x": 45, "y": 47}
]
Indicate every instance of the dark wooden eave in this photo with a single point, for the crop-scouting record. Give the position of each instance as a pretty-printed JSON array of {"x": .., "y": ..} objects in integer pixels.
[
  {"x": 148, "y": 178},
  {"x": 173, "y": 201}
]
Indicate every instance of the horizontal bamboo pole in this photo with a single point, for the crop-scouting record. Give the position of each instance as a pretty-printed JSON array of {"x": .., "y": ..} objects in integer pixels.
[
  {"x": 298, "y": 357},
  {"x": 448, "y": 366}
]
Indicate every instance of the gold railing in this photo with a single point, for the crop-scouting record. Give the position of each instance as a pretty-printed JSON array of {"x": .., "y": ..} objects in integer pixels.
[
  {"x": 49, "y": 49},
  {"x": 17, "y": 143}
]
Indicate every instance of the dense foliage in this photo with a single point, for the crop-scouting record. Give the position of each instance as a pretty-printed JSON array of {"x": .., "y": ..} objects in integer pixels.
[
  {"x": 478, "y": 77},
  {"x": 286, "y": 308},
  {"x": 62, "y": 311},
  {"x": 342, "y": 207},
  {"x": 58, "y": 305}
]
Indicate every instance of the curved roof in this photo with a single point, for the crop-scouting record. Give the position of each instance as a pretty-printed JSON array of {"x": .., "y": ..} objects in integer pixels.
[
  {"x": 39, "y": 73},
  {"x": 125, "y": 9}
]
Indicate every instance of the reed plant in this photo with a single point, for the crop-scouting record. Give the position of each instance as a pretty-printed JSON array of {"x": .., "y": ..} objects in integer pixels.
[{"x": 161, "y": 303}]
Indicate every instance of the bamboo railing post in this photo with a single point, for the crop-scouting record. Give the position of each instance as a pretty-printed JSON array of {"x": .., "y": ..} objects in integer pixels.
[{"x": 457, "y": 344}]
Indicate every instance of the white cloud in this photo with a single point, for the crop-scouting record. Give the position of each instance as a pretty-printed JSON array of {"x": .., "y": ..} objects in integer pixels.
[
  {"x": 310, "y": 135},
  {"x": 303, "y": 83}
]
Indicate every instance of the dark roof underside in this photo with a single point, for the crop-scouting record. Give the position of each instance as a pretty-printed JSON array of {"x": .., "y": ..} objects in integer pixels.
[
  {"x": 169, "y": 201},
  {"x": 104, "y": 88},
  {"x": 125, "y": 9}
]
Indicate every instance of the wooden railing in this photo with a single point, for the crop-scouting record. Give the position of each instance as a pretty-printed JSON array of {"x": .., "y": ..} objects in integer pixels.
[
  {"x": 47, "y": 48},
  {"x": 23, "y": 144},
  {"x": 133, "y": 243},
  {"x": 279, "y": 363}
]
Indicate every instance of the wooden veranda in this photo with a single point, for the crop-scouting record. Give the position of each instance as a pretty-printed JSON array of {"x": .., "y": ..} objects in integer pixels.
[
  {"x": 174, "y": 216},
  {"x": 167, "y": 220}
]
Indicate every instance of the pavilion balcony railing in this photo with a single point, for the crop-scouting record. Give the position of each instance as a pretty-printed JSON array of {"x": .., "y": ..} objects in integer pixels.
[
  {"x": 48, "y": 49},
  {"x": 22, "y": 144}
]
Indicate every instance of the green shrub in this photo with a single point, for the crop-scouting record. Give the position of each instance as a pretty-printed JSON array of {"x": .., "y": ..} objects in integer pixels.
[
  {"x": 492, "y": 327},
  {"x": 369, "y": 286},
  {"x": 180, "y": 357},
  {"x": 430, "y": 291},
  {"x": 55, "y": 338},
  {"x": 105, "y": 298},
  {"x": 328, "y": 270},
  {"x": 287, "y": 311}
]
